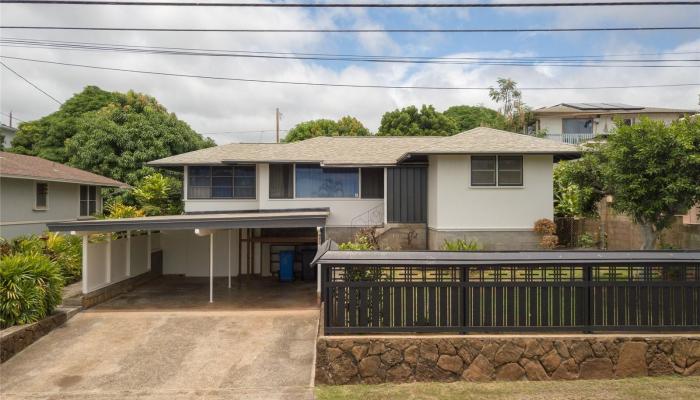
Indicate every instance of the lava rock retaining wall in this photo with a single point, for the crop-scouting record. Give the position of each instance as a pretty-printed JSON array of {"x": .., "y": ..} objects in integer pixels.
[{"x": 447, "y": 359}]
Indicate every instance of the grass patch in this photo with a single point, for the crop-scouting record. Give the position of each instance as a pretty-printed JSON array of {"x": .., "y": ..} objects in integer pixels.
[{"x": 623, "y": 389}]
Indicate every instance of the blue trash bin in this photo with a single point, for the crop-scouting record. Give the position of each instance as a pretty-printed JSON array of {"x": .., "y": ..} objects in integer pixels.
[{"x": 286, "y": 266}]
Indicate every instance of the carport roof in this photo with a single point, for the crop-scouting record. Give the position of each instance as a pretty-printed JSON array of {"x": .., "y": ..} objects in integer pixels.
[{"x": 244, "y": 219}]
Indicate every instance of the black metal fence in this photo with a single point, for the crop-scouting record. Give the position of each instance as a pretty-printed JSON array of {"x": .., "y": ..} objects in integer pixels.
[{"x": 524, "y": 296}]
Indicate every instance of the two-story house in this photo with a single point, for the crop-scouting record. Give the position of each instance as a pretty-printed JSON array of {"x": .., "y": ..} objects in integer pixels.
[
  {"x": 245, "y": 204},
  {"x": 578, "y": 122},
  {"x": 35, "y": 191}
]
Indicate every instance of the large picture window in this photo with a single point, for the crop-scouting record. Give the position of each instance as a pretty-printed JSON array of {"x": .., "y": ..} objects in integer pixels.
[
  {"x": 496, "y": 170},
  {"x": 88, "y": 200},
  {"x": 312, "y": 181},
  {"x": 281, "y": 181},
  {"x": 237, "y": 182}
]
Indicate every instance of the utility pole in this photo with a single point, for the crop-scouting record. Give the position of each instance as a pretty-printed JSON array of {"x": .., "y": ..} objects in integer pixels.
[
  {"x": 277, "y": 124},
  {"x": 10, "y": 118}
]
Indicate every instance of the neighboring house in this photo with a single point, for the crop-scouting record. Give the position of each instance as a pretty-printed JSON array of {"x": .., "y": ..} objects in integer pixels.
[
  {"x": 7, "y": 133},
  {"x": 578, "y": 122},
  {"x": 35, "y": 191}
]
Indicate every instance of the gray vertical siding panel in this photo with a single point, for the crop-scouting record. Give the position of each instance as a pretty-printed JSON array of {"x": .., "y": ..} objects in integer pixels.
[{"x": 407, "y": 194}]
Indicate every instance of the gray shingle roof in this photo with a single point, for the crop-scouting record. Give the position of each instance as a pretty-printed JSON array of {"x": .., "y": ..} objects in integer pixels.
[{"x": 370, "y": 150}]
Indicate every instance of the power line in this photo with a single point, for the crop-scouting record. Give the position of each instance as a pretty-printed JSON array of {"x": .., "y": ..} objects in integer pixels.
[
  {"x": 29, "y": 82},
  {"x": 558, "y": 57},
  {"x": 352, "y": 5},
  {"x": 402, "y": 30},
  {"x": 346, "y": 85},
  {"x": 12, "y": 116},
  {"x": 590, "y": 63}
]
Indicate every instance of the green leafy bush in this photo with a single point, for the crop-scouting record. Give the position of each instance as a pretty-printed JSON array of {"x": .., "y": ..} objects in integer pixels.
[
  {"x": 461, "y": 245},
  {"x": 586, "y": 240},
  {"x": 30, "y": 288},
  {"x": 64, "y": 250},
  {"x": 364, "y": 240}
]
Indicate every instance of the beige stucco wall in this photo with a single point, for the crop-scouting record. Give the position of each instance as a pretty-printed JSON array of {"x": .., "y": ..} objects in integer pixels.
[
  {"x": 18, "y": 215},
  {"x": 343, "y": 211},
  {"x": 553, "y": 124},
  {"x": 456, "y": 206}
]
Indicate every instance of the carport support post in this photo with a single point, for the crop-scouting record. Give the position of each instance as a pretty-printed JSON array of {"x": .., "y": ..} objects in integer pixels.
[
  {"x": 211, "y": 267},
  {"x": 128, "y": 253},
  {"x": 85, "y": 264},
  {"x": 229, "y": 259}
]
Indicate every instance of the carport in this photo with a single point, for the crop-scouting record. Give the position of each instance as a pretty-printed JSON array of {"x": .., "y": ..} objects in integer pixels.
[{"x": 119, "y": 251}]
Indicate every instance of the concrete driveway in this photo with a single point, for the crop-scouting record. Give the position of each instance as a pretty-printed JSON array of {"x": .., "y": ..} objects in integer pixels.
[{"x": 136, "y": 354}]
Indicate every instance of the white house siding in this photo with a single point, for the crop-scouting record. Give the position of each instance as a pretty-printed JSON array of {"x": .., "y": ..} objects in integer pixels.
[
  {"x": 343, "y": 211},
  {"x": 498, "y": 217},
  {"x": 107, "y": 260},
  {"x": 17, "y": 199},
  {"x": 606, "y": 124}
]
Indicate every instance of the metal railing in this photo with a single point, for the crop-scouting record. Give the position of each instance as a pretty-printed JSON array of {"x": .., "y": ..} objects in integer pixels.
[
  {"x": 371, "y": 218},
  {"x": 571, "y": 138},
  {"x": 523, "y": 296}
]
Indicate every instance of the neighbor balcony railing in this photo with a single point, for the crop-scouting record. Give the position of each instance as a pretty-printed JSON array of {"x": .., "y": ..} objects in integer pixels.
[
  {"x": 571, "y": 138},
  {"x": 374, "y": 292}
]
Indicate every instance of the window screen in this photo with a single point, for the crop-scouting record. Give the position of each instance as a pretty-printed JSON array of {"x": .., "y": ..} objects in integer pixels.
[
  {"x": 312, "y": 181},
  {"x": 281, "y": 181},
  {"x": 42, "y": 194},
  {"x": 510, "y": 170},
  {"x": 372, "y": 183},
  {"x": 199, "y": 182},
  {"x": 244, "y": 182},
  {"x": 483, "y": 170}
]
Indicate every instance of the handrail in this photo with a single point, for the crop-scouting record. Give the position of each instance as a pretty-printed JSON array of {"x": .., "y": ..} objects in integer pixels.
[{"x": 371, "y": 218}]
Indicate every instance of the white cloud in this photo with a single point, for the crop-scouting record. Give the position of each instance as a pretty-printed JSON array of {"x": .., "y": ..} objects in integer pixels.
[{"x": 220, "y": 106}]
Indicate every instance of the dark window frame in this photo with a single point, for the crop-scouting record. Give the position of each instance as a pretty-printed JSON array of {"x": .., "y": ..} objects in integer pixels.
[
  {"x": 497, "y": 171},
  {"x": 208, "y": 175},
  {"x": 286, "y": 175},
  {"x": 364, "y": 189}
]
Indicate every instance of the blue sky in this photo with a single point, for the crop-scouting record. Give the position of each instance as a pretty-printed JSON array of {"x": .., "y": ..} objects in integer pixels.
[{"x": 225, "y": 109}]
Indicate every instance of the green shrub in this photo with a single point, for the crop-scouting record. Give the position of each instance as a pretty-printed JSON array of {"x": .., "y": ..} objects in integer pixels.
[
  {"x": 67, "y": 252},
  {"x": 30, "y": 288},
  {"x": 461, "y": 245},
  {"x": 585, "y": 240},
  {"x": 364, "y": 240}
]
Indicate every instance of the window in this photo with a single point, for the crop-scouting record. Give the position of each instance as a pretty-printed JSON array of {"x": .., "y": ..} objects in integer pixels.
[
  {"x": 372, "y": 183},
  {"x": 88, "y": 200},
  {"x": 281, "y": 181},
  {"x": 627, "y": 121},
  {"x": 496, "y": 170},
  {"x": 237, "y": 182},
  {"x": 577, "y": 125},
  {"x": 510, "y": 170},
  {"x": 244, "y": 182},
  {"x": 483, "y": 170},
  {"x": 42, "y": 196},
  {"x": 312, "y": 181}
]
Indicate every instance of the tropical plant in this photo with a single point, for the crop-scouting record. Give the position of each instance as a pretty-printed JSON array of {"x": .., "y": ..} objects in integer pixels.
[
  {"x": 567, "y": 201},
  {"x": 66, "y": 251},
  {"x": 159, "y": 195},
  {"x": 363, "y": 240},
  {"x": 30, "y": 288},
  {"x": 586, "y": 240},
  {"x": 411, "y": 121},
  {"x": 117, "y": 209},
  {"x": 346, "y": 126},
  {"x": 580, "y": 184},
  {"x": 461, "y": 245},
  {"x": 508, "y": 95}
]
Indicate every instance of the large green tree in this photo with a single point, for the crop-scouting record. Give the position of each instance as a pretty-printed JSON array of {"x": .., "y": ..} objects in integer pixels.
[
  {"x": 653, "y": 172},
  {"x": 469, "y": 117},
  {"x": 346, "y": 126},
  {"x": 108, "y": 133},
  {"x": 410, "y": 121}
]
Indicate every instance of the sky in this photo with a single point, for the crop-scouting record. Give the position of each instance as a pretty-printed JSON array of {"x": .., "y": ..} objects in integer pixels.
[{"x": 230, "y": 111}]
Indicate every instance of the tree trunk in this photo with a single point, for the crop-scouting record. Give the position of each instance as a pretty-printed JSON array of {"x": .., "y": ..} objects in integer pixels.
[{"x": 649, "y": 236}]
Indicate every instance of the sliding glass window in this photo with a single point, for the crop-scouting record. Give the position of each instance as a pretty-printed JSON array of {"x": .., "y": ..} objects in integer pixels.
[
  {"x": 312, "y": 181},
  {"x": 281, "y": 181},
  {"x": 237, "y": 182}
]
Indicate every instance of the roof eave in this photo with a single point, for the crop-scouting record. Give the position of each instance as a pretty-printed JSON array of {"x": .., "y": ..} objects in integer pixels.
[{"x": 75, "y": 181}]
